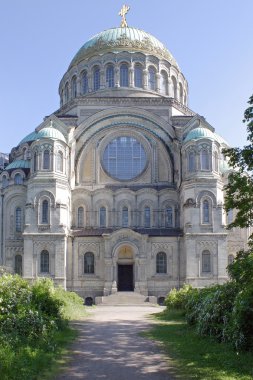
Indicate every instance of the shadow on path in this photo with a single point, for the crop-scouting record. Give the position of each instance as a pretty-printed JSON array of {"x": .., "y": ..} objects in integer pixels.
[{"x": 109, "y": 347}]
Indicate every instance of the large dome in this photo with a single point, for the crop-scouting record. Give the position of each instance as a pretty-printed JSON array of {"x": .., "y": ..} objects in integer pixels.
[{"x": 121, "y": 39}]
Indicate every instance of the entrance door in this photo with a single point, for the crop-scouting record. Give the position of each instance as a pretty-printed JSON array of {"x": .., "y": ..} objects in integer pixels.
[{"x": 125, "y": 278}]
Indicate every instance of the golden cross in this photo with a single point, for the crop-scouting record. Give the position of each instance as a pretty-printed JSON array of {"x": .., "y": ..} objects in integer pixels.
[{"x": 123, "y": 13}]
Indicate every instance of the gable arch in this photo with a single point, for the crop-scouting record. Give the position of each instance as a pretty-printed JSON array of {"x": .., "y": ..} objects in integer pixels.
[
  {"x": 206, "y": 194},
  {"x": 44, "y": 195}
]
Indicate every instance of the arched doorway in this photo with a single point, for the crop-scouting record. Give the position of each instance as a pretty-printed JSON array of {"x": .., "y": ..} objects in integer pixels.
[{"x": 125, "y": 269}]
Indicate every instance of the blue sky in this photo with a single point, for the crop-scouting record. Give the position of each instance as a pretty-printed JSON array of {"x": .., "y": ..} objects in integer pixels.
[{"x": 210, "y": 39}]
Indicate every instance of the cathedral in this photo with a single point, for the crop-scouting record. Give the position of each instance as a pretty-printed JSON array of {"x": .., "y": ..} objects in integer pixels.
[{"x": 121, "y": 188}]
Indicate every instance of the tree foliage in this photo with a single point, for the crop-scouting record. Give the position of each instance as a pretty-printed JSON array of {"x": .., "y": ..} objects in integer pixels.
[{"x": 239, "y": 190}]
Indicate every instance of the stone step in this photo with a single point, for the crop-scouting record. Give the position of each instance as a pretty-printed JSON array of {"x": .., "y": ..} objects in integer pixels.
[{"x": 124, "y": 298}]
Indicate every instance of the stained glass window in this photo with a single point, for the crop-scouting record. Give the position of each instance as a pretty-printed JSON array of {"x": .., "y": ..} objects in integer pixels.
[
  {"x": 45, "y": 210},
  {"x": 96, "y": 78},
  {"x": 161, "y": 262},
  {"x": 85, "y": 82},
  {"x": 102, "y": 217},
  {"x": 124, "y": 75},
  {"x": 44, "y": 262},
  {"x": 147, "y": 217},
  {"x": 110, "y": 76},
  {"x": 124, "y": 158},
  {"x": 18, "y": 219},
  {"x": 138, "y": 76},
  {"x": 206, "y": 216},
  {"x": 206, "y": 262},
  {"x": 89, "y": 263},
  {"x": 151, "y": 78},
  {"x": 18, "y": 264}
]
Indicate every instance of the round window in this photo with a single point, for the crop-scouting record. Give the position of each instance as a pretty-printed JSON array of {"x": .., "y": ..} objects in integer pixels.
[{"x": 124, "y": 158}]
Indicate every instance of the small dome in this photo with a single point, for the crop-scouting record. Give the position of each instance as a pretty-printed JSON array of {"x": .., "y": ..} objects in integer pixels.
[
  {"x": 123, "y": 39},
  {"x": 199, "y": 133},
  {"x": 50, "y": 133},
  {"x": 19, "y": 164},
  {"x": 47, "y": 132}
]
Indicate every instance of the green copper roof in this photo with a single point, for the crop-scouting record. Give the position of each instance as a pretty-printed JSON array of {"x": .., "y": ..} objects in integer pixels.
[
  {"x": 123, "y": 39},
  {"x": 31, "y": 137},
  {"x": 19, "y": 164},
  {"x": 51, "y": 133},
  {"x": 201, "y": 133},
  {"x": 47, "y": 132}
]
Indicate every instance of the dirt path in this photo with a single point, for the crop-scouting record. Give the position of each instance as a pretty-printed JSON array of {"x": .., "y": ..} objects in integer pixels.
[{"x": 109, "y": 347}]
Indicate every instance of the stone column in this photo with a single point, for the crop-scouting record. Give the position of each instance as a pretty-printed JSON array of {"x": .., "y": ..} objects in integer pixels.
[
  {"x": 145, "y": 79},
  {"x": 157, "y": 80},
  {"x": 102, "y": 78},
  {"x": 131, "y": 76},
  {"x": 170, "y": 88},
  {"x": 117, "y": 76}
]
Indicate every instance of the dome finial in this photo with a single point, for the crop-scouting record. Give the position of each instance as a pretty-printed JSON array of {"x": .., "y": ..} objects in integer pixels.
[{"x": 123, "y": 13}]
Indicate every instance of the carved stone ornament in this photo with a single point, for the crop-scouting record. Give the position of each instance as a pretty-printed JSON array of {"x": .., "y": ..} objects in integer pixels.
[{"x": 124, "y": 42}]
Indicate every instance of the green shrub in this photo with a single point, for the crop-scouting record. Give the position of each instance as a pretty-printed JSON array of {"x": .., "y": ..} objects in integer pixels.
[
  {"x": 177, "y": 299},
  {"x": 215, "y": 311},
  {"x": 45, "y": 300},
  {"x": 242, "y": 320}
]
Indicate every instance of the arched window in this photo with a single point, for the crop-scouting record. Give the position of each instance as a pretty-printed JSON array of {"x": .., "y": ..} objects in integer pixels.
[
  {"x": 85, "y": 82},
  {"x": 216, "y": 162},
  {"x": 124, "y": 75},
  {"x": 181, "y": 93},
  {"x": 168, "y": 217},
  {"x": 46, "y": 159},
  {"x": 151, "y": 78},
  {"x": 110, "y": 76},
  {"x": 44, "y": 262},
  {"x": 174, "y": 83},
  {"x": 80, "y": 217},
  {"x": 204, "y": 159},
  {"x": 45, "y": 212},
  {"x": 206, "y": 212},
  {"x": 18, "y": 265},
  {"x": 18, "y": 180},
  {"x": 66, "y": 92},
  {"x": 230, "y": 259},
  {"x": 147, "y": 217},
  {"x": 35, "y": 162},
  {"x": 164, "y": 83},
  {"x": 96, "y": 78},
  {"x": 18, "y": 220},
  {"x": 161, "y": 262},
  {"x": 191, "y": 161},
  {"x": 206, "y": 262},
  {"x": 125, "y": 217},
  {"x": 102, "y": 217},
  {"x": 4, "y": 181},
  {"x": 138, "y": 76},
  {"x": 59, "y": 162},
  {"x": 89, "y": 263},
  {"x": 73, "y": 88}
]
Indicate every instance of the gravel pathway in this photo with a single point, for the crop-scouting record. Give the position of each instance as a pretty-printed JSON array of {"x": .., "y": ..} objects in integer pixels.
[{"x": 109, "y": 347}]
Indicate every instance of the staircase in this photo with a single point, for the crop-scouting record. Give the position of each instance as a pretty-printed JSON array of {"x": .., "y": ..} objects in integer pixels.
[{"x": 126, "y": 298}]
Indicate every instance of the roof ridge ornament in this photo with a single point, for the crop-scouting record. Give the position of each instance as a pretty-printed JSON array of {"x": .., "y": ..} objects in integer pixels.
[{"x": 125, "y": 8}]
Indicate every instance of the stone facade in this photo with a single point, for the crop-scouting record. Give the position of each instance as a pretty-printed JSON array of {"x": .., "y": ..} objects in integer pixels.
[{"x": 122, "y": 187}]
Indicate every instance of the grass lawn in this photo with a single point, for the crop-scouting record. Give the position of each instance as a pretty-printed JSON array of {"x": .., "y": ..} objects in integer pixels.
[{"x": 196, "y": 357}]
